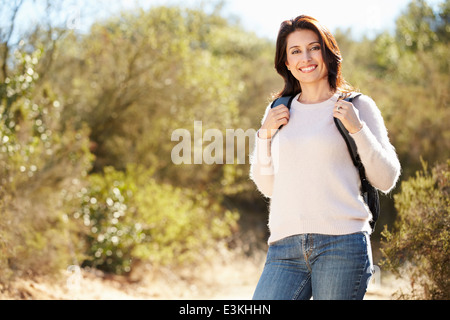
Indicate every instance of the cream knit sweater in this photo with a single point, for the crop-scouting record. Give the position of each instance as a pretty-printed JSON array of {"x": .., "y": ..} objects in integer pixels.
[{"x": 307, "y": 171}]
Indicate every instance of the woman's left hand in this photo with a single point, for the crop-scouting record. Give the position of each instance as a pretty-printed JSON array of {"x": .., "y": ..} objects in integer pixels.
[{"x": 345, "y": 111}]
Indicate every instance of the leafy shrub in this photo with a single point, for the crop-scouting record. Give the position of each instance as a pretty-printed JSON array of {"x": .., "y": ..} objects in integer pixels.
[
  {"x": 419, "y": 247},
  {"x": 42, "y": 167},
  {"x": 128, "y": 215}
]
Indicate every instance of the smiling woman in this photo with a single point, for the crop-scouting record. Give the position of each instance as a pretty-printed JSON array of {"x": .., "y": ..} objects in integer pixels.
[
  {"x": 319, "y": 244},
  {"x": 307, "y": 33}
]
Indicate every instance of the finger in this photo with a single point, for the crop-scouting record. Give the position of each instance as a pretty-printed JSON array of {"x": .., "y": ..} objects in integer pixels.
[
  {"x": 285, "y": 114},
  {"x": 284, "y": 118},
  {"x": 344, "y": 104},
  {"x": 281, "y": 114},
  {"x": 281, "y": 106},
  {"x": 280, "y": 119},
  {"x": 338, "y": 114},
  {"x": 339, "y": 105},
  {"x": 282, "y": 122},
  {"x": 278, "y": 110}
]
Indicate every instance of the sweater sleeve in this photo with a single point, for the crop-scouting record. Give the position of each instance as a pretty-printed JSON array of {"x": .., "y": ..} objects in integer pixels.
[
  {"x": 261, "y": 165},
  {"x": 377, "y": 153}
]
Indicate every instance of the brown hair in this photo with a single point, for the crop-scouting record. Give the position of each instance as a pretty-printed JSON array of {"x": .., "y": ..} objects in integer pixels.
[{"x": 331, "y": 56}]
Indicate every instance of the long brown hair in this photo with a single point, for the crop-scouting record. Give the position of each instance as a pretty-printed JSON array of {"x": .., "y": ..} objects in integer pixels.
[{"x": 331, "y": 56}]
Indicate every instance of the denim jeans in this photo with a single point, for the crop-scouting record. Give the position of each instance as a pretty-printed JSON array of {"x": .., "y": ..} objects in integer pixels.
[{"x": 324, "y": 267}]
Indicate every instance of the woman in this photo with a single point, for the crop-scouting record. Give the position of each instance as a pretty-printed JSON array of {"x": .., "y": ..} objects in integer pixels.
[{"x": 319, "y": 244}]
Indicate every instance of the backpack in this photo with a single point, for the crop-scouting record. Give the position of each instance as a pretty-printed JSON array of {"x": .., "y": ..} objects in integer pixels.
[{"x": 368, "y": 192}]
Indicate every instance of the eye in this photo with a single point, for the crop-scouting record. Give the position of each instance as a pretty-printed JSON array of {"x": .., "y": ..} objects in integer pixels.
[
  {"x": 315, "y": 48},
  {"x": 296, "y": 51}
]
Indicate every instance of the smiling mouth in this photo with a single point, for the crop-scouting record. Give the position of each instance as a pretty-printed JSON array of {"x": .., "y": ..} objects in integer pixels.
[{"x": 308, "y": 69}]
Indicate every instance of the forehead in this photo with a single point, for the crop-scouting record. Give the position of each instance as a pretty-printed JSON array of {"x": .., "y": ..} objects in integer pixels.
[{"x": 302, "y": 37}]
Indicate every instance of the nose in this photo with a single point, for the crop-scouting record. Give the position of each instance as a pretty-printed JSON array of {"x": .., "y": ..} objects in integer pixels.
[{"x": 306, "y": 56}]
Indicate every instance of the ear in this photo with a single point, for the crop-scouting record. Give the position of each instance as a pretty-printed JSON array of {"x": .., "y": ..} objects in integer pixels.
[{"x": 287, "y": 65}]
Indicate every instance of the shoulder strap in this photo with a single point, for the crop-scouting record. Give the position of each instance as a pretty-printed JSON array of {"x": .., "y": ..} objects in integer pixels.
[
  {"x": 351, "y": 145},
  {"x": 286, "y": 100},
  {"x": 346, "y": 135}
]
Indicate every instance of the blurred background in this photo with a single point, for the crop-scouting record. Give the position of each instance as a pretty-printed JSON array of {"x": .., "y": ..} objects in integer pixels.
[{"x": 90, "y": 93}]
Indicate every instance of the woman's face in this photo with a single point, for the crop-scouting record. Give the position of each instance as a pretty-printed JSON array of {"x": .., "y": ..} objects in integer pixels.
[{"x": 304, "y": 57}]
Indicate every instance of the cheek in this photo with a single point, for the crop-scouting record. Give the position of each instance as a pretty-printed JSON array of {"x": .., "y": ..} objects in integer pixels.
[
  {"x": 318, "y": 57},
  {"x": 290, "y": 61},
  {"x": 293, "y": 62}
]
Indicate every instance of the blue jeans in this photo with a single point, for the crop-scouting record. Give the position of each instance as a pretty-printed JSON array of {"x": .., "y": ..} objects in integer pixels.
[{"x": 324, "y": 267}]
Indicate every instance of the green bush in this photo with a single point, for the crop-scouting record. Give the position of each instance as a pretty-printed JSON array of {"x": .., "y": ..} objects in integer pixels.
[
  {"x": 128, "y": 215},
  {"x": 42, "y": 167},
  {"x": 419, "y": 246}
]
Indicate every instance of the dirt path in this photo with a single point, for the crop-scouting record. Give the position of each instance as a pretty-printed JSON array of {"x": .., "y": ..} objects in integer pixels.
[
  {"x": 101, "y": 289},
  {"x": 235, "y": 281}
]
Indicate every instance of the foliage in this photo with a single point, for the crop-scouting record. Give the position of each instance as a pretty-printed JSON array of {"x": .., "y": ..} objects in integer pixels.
[
  {"x": 421, "y": 240},
  {"x": 128, "y": 216},
  {"x": 40, "y": 168},
  {"x": 407, "y": 75},
  {"x": 162, "y": 78},
  {"x": 47, "y": 136}
]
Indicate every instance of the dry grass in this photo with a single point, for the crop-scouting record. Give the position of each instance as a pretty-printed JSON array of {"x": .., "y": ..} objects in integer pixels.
[{"x": 231, "y": 278}]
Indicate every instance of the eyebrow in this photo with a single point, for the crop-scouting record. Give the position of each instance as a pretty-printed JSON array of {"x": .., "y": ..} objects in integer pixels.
[{"x": 308, "y": 45}]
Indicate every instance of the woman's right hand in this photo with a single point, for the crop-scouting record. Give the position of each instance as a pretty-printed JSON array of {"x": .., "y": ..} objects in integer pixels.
[{"x": 277, "y": 117}]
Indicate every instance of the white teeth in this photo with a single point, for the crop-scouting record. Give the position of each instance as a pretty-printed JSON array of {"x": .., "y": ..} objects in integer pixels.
[{"x": 308, "y": 69}]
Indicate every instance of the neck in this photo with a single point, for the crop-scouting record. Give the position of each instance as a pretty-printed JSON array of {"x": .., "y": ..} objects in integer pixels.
[{"x": 315, "y": 93}]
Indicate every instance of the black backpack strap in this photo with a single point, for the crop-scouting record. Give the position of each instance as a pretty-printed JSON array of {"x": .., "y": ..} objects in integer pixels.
[
  {"x": 347, "y": 138},
  {"x": 286, "y": 100},
  {"x": 369, "y": 193},
  {"x": 351, "y": 146}
]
